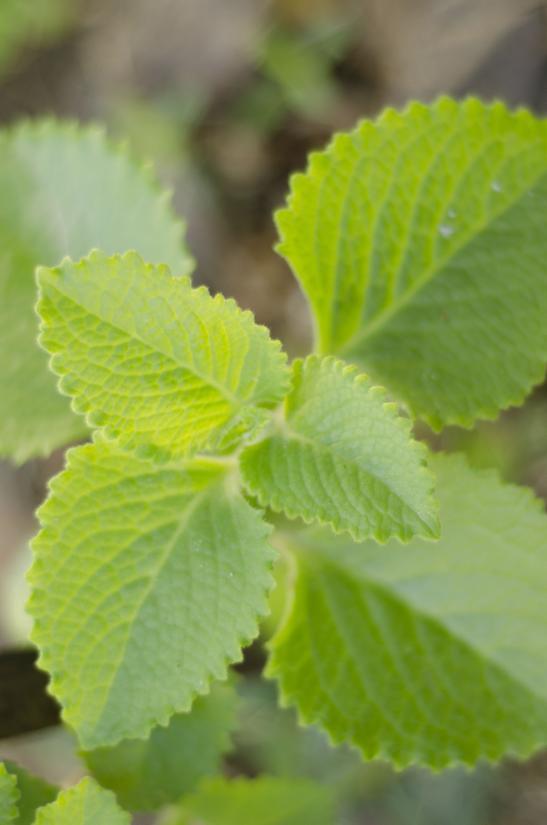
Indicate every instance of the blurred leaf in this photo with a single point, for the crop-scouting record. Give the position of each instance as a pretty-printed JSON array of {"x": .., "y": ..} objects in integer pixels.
[
  {"x": 262, "y": 801},
  {"x": 33, "y": 793},
  {"x": 146, "y": 774},
  {"x": 31, "y": 22},
  {"x": 65, "y": 190}
]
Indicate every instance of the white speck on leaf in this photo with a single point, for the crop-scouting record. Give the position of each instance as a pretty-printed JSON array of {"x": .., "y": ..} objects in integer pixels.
[{"x": 446, "y": 231}]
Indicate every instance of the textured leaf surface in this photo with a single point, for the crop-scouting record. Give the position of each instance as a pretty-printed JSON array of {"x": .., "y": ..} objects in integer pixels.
[
  {"x": 146, "y": 581},
  {"x": 344, "y": 457},
  {"x": 65, "y": 190},
  {"x": 8, "y": 796},
  {"x": 420, "y": 242},
  {"x": 156, "y": 363},
  {"x": 263, "y": 801},
  {"x": 427, "y": 654},
  {"x": 84, "y": 804},
  {"x": 146, "y": 774},
  {"x": 33, "y": 793}
]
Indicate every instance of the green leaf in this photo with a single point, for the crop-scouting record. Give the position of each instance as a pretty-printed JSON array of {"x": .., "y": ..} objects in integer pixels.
[
  {"x": 65, "y": 190},
  {"x": 159, "y": 365},
  {"x": 84, "y": 804},
  {"x": 146, "y": 581},
  {"x": 342, "y": 456},
  {"x": 33, "y": 793},
  {"x": 262, "y": 801},
  {"x": 426, "y": 655},
  {"x": 420, "y": 242},
  {"x": 9, "y": 796},
  {"x": 146, "y": 774},
  {"x": 23, "y": 23}
]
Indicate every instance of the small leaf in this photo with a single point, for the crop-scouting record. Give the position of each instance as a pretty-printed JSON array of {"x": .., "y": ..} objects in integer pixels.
[
  {"x": 148, "y": 773},
  {"x": 147, "y": 579},
  {"x": 157, "y": 364},
  {"x": 33, "y": 793},
  {"x": 84, "y": 804},
  {"x": 420, "y": 242},
  {"x": 426, "y": 655},
  {"x": 9, "y": 796},
  {"x": 262, "y": 801},
  {"x": 343, "y": 457},
  {"x": 65, "y": 190}
]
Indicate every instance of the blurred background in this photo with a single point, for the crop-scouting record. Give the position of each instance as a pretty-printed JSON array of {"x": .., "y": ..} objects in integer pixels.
[{"x": 227, "y": 99}]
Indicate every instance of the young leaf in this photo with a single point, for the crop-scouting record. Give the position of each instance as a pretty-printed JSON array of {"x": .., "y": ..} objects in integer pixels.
[
  {"x": 343, "y": 457},
  {"x": 9, "y": 796},
  {"x": 146, "y": 581},
  {"x": 426, "y": 657},
  {"x": 262, "y": 801},
  {"x": 157, "y": 364},
  {"x": 65, "y": 190},
  {"x": 33, "y": 793},
  {"x": 420, "y": 242},
  {"x": 148, "y": 773},
  {"x": 84, "y": 804}
]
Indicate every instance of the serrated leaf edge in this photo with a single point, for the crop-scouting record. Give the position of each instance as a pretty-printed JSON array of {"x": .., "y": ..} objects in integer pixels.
[
  {"x": 405, "y": 424},
  {"x": 55, "y": 687}
]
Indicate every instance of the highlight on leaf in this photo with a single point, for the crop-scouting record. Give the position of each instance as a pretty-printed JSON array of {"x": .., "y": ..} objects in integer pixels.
[
  {"x": 343, "y": 456},
  {"x": 159, "y": 366},
  {"x": 419, "y": 240},
  {"x": 420, "y": 654},
  {"x": 147, "y": 580}
]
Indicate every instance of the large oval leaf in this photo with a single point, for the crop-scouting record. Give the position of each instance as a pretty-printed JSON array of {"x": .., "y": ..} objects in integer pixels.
[
  {"x": 426, "y": 655},
  {"x": 146, "y": 582},
  {"x": 420, "y": 242}
]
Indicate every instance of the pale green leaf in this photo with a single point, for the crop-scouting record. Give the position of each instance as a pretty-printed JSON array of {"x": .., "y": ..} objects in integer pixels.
[
  {"x": 9, "y": 796},
  {"x": 424, "y": 654},
  {"x": 33, "y": 793},
  {"x": 84, "y": 804},
  {"x": 148, "y": 773},
  {"x": 159, "y": 365},
  {"x": 262, "y": 801},
  {"x": 420, "y": 242},
  {"x": 65, "y": 190},
  {"x": 342, "y": 456},
  {"x": 146, "y": 581}
]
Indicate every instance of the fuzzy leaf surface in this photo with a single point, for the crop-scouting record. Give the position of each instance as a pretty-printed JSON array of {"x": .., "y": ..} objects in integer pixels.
[
  {"x": 146, "y": 581},
  {"x": 421, "y": 654},
  {"x": 263, "y": 801},
  {"x": 148, "y": 773},
  {"x": 65, "y": 190},
  {"x": 84, "y": 804},
  {"x": 342, "y": 456},
  {"x": 9, "y": 796},
  {"x": 419, "y": 240},
  {"x": 33, "y": 794},
  {"x": 159, "y": 365}
]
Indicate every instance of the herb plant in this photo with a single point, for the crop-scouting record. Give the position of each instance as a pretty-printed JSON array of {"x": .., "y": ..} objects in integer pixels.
[{"x": 416, "y": 616}]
